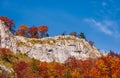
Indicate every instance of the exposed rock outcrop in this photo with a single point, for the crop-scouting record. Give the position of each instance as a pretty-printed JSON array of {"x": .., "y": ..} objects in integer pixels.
[{"x": 48, "y": 49}]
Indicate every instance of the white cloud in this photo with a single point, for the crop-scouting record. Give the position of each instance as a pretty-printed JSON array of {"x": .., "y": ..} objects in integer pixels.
[{"x": 106, "y": 26}]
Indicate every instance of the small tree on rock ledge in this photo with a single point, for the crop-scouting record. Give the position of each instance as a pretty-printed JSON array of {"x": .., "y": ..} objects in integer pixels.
[{"x": 9, "y": 23}]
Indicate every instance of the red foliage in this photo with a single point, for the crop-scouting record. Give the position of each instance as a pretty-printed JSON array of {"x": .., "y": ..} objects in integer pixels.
[
  {"x": 21, "y": 69},
  {"x": 71, "y": 62},
  {"x": 43, "y": 70},
  {"x": 4, "y": 52},
  {"x": 103, "y": 67},
  {"x": 43, "y": 28},
  {"x": 33, "y": 31},
  {"x": 8, "y": 22},
  {"x": 59, "y": 70}
]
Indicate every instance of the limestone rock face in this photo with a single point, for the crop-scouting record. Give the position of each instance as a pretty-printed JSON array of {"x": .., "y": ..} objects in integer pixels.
[
  {"x": 49, "y": 49},
  {"x": 7, "y": 39}
]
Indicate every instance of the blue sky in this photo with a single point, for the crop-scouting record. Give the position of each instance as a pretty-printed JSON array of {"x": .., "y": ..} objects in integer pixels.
[{"x": 98, "y": 19}]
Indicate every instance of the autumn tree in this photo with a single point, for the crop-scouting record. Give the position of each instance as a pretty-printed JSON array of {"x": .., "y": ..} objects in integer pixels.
[
  {"x": 106, "y": 67},
  {"x": 22, "y": 31},
  {"x": 103, "y": 67},
  {"x": 59, "y": 70},
  {"x": 5, "y": 54},
  {"x": 33, "y": 32},
  {"x": 86, "y": 67},
  {"x": 42, "y": 31},
  {"x": 71, "y": 66},
  {"x": 9, "y": 23},
  {"x": 43, "y": 70},
  {"x": 21, "y": 69}
]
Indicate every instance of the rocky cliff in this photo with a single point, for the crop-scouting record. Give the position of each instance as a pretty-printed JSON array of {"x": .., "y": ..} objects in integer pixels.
[{"x": 57, "y": 48}]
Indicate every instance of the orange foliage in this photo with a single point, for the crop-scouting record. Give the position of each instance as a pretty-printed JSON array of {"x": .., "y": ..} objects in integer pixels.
[
  {"x": 31, "y": 75},
  {"x": 33, "y": 32},
  {"x": 106, "y": 67},
  {"x": 4, "y": 52},
  {"x": 43, "y": 31},
  {"x": 43, "y": 28},
  {"x": 23, "y": 27},
  {"x": 59, "y": 70},
  {"x": 22, "y": 31},
  {"x": 103, "y": 67},
  {"x": 8, "y": 22}
]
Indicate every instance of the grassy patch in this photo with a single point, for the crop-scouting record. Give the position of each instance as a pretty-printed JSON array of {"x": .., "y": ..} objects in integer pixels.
[
  {"x": 23, "y": 44},
  {"x": 47, "y": 41}
]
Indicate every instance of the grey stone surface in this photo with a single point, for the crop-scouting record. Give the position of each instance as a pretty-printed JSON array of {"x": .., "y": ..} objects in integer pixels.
[{"x": 49, "y": 49}]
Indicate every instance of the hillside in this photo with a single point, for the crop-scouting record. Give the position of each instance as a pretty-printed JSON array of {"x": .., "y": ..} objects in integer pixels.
[
  {"x": 53, "y": 57},
  {"x": 48, "y": 49}
]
